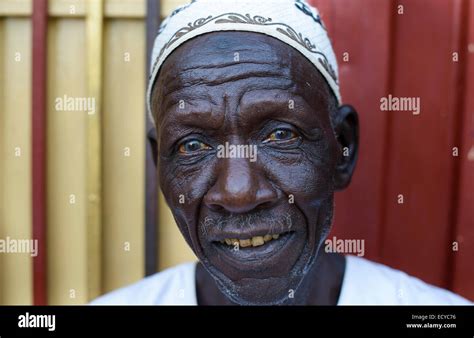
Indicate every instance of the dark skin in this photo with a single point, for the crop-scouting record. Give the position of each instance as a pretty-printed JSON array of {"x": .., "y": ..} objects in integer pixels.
[{"x": 273, "y": 98}]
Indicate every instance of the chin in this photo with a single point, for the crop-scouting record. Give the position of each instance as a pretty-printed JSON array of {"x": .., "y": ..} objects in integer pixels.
[{"x": 275, "y": 289}]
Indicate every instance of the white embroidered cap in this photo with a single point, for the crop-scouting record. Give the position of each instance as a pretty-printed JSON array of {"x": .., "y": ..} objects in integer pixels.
[{"x": 293, "y": 22}]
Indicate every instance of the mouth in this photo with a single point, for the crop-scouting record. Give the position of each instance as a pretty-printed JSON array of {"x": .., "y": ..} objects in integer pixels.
[
  {"x": 250, "y": 242},
  {"x": 253, "y": 248},
  {"x": 257, "y": 246}
]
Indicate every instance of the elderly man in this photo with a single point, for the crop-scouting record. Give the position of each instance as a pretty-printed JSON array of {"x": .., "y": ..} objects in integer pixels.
[{"x": 262, "y": 76}]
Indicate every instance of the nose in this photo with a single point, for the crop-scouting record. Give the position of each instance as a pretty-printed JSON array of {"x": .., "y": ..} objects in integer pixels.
[{"x": 239, "y": 188}]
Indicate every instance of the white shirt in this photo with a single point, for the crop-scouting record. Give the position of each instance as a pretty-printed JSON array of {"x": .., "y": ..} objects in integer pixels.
[{"x": 364, "y": 283}]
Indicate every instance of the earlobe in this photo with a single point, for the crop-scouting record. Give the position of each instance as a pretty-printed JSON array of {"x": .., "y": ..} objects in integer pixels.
[
  {"x": 346, "y": 126},
  {"x": 153, "y": 143}
]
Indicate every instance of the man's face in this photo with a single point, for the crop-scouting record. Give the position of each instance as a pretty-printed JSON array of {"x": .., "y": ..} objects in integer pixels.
[{"x": 247, "y": 89}]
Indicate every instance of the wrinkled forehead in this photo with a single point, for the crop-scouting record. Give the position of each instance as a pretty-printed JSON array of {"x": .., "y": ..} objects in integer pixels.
[
  {"x": 230, "y": 48},
  {"x": 208, "y": 62}
]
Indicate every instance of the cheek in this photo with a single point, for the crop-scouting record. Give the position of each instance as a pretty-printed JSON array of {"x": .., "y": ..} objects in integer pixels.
[
  {"x": 191, "y": 183},
  {"x": 184, "y": 188},
  {"x": 308, "y": 174},
  {"x": 183, "y": 191}
]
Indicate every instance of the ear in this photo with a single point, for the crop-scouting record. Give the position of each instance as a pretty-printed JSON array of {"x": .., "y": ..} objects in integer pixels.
[
  {"x": 346, "y": 126},
  {"x": 153, "y": 143}
]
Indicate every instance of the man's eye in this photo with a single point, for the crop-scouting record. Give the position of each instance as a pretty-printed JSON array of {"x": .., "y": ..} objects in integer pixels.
[
  {"x": 192, "y": 146},
  {"x": 281, "y": 135}
]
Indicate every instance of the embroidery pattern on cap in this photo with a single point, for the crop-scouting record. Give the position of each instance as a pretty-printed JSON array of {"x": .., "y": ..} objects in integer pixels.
[{"x": 251, "y": 20}]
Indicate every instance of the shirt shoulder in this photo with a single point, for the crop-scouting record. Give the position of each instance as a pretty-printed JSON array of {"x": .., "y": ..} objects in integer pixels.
[
  {"x": 370, "y": 283},
  {"x": 173, "y": 286}
]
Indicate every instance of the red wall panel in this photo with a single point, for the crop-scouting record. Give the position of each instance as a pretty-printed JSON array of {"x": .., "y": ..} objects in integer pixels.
[
  {"x": 409, "y": 55},
  {"x": 463, "y": 272},
  {"x": 364, "y": 79},
  {"x": 417, "y": 233},
  {"x": 38, "y": 172}
]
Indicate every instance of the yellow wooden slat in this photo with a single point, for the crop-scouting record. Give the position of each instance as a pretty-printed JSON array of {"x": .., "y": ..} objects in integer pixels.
[
  {"x": 76, "y": 8},
  {"x": 167, "y": 6},
  {"x": 66, "y": 165},
  {"x": 16, "y": 158},
  {"x": 112, "y": 8},
  {"x": 123, "y": 155},
  {"x": 15, "y": 7},
  {"x": 125, "y": 8},
  {"x": 64, "y": 8},
  {"x": 94, "y": 38}
]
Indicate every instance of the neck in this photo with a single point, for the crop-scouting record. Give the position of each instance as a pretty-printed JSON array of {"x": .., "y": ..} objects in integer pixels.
[{"x": 321, "y": 285}]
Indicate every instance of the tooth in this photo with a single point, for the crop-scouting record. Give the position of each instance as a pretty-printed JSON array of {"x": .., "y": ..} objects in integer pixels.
[
  {"x": 228, "y": 241},
  {"x": 275, "y": 236},
  {"x": 266, "y": 238},
  {"x": 245, "y": 242},
  {"x": 257, "y": 240},
  {"x": 234, "y": 241}
]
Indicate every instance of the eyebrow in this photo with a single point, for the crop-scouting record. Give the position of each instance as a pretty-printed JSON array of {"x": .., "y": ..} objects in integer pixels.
[
  {"x": 180, "y": 122},
  {"x": 278, "y": 107},
  {"x": 194, "y": 118}
]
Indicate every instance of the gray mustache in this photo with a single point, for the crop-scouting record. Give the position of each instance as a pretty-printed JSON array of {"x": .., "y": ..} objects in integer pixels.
[{"x": 245, "y": 221}]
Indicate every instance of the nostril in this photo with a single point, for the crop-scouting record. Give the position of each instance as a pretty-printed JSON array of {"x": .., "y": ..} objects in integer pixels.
[
  {"x": 264, "y": 205},
  {"x": 215, "y": 207}
]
